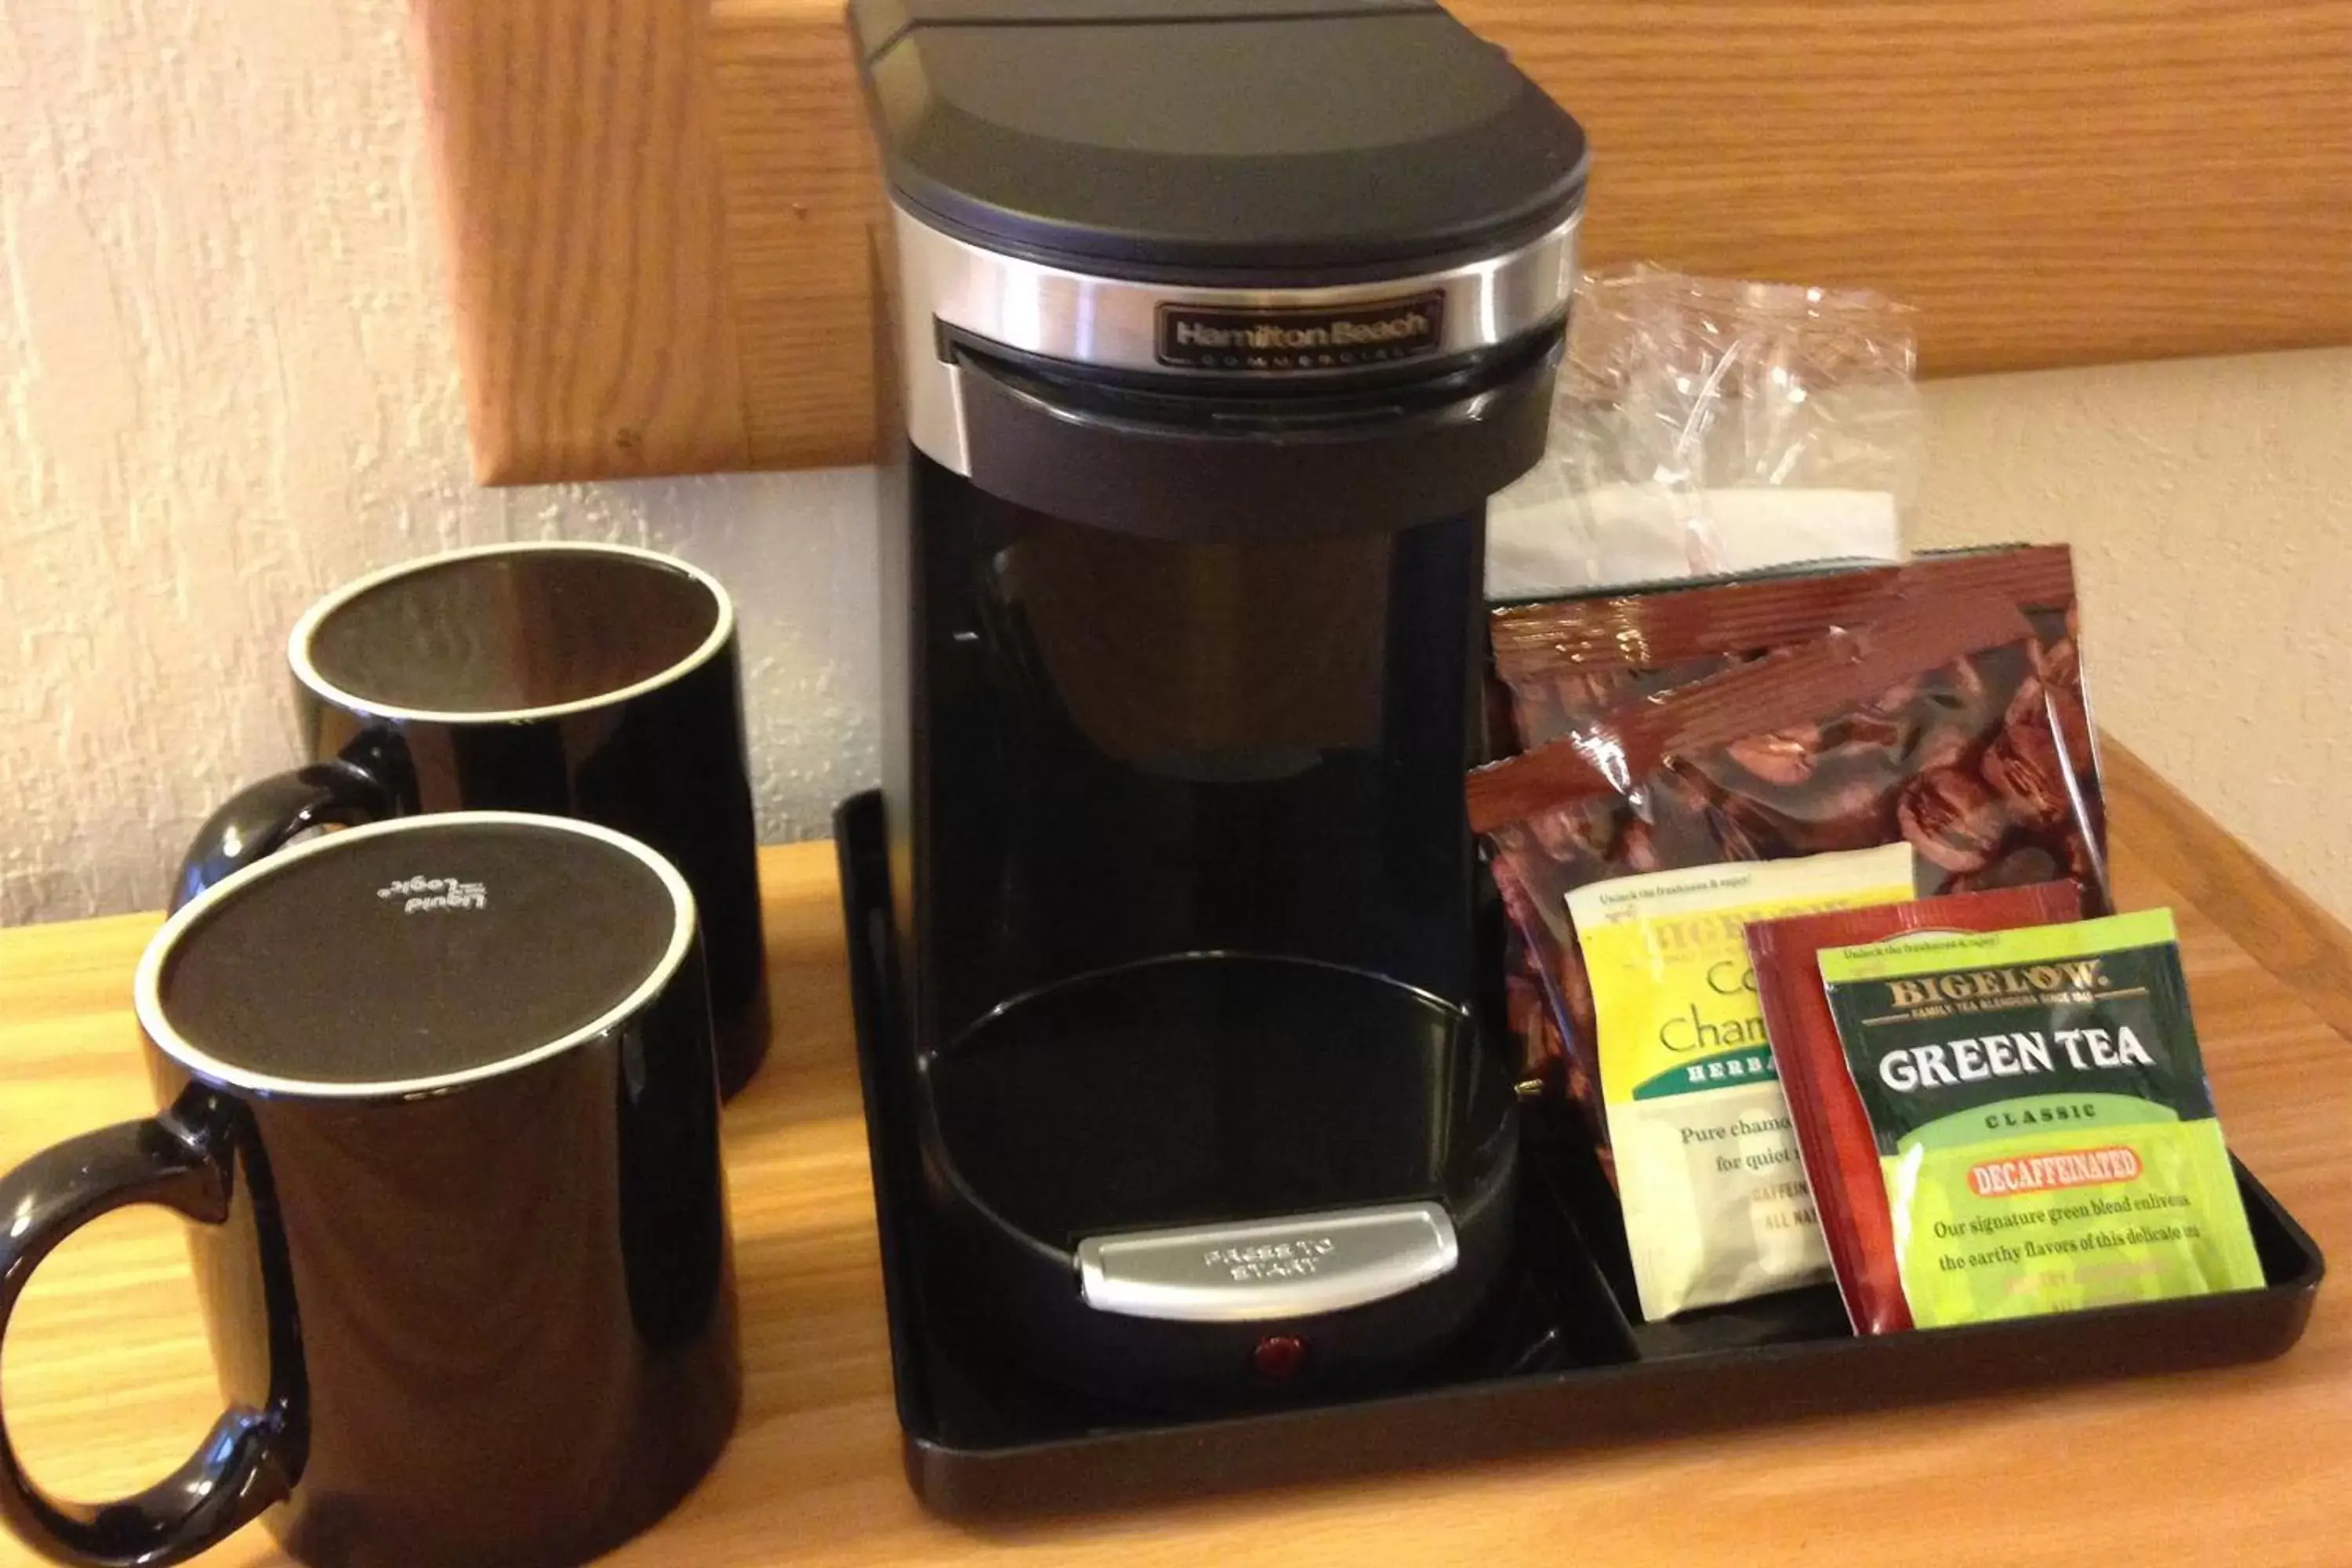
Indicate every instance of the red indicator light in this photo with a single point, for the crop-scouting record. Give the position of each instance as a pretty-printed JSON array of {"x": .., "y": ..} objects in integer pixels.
[{"x": 1279, "y": 1357}]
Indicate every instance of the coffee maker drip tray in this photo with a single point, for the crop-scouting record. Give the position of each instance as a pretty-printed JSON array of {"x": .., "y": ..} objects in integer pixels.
[
  {"x": 1154, "y": 1172},
  {"x": 1001, "y": 1414}
]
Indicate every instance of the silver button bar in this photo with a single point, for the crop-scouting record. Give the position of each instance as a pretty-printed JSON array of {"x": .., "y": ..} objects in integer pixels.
[{"x": 1291, "y": 1266}]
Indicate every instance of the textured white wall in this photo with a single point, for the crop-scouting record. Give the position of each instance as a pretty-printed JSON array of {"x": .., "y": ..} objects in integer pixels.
[
  {"x": 227, "y": 382},
  {"x": 2209, "y": 503}
]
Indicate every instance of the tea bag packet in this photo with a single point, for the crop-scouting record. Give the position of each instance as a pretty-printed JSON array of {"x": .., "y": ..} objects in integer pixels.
[
  {"x": 2043, "y": 1127},
  {"x": 1715, "y": 1203},
  {"x": 1833, "y": 1130}
]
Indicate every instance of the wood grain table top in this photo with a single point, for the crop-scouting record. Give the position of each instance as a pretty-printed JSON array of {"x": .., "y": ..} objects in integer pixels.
[{"x": 108, "y": 1383}]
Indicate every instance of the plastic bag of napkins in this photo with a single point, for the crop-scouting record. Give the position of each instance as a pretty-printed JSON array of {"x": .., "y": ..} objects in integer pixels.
[{"x": 1708, "y": 426}]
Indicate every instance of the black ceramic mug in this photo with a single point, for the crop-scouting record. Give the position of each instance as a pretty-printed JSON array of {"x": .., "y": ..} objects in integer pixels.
[
  {"x": 440, "y": 1094},
  {"x": 578, "y": 679}
]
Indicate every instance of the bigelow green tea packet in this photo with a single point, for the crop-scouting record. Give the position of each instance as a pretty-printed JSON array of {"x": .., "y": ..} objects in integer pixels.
[
  {"x": 1708, "y": 1173},
  {"x": 2042, "y": 1120}
]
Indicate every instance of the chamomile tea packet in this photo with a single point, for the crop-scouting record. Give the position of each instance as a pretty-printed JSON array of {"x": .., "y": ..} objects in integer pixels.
[
  {"x": 2042, "y": 1122},
  {"x": 1708, "y": 1173}
]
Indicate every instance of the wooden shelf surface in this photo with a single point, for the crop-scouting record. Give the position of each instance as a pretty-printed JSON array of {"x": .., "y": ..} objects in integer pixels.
[
  {"x": 657, "y": 210},
  {"x": 108, "y": 1384}
]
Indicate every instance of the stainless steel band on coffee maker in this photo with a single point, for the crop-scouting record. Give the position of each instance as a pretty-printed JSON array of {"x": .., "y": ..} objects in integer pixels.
[{"x": 1187, "y": 331}]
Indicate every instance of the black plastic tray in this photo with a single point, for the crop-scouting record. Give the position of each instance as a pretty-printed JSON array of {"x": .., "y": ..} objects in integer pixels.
[{"x": 1562, "y": 1364}]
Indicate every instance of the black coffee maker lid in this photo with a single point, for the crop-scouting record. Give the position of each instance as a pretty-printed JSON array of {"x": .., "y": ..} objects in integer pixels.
[{"x": 1294, "y": 140}]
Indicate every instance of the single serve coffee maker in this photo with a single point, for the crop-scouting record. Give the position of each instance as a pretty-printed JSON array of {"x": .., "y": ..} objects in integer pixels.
[{"x": 1205, "y": 330}]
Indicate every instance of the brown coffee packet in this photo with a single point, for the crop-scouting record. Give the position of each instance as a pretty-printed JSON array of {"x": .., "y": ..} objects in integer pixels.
[
  {"x": 1557, "y": 667},
  {"x": 1564, "y": 663},
  {"x": 1833, "y": 1130},
  {"x": 1947, "y": 724}
]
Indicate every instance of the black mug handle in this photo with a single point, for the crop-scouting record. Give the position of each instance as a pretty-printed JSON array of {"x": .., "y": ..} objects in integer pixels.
[
  {"x": 259, "y": 820},
  {"x": 182, "y": 1160}
]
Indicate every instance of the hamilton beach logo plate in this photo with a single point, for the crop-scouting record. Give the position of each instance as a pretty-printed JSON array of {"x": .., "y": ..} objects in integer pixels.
[{"x": 1311, "y": 338}]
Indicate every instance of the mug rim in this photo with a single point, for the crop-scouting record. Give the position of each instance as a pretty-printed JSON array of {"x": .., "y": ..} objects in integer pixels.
[
  {"x": 155, "y": 1024},
  {"x": 306, "y": 628}
]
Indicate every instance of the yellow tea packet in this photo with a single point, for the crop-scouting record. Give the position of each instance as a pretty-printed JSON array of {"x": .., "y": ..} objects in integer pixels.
[{"x": 1716, "y": 1207}]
